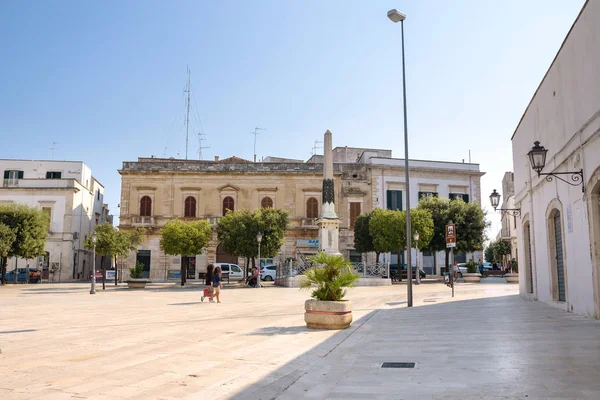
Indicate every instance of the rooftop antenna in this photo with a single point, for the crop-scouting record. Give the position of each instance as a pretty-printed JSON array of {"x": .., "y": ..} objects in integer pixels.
[
  {"x": 316, "y": 146},
  {"x": 187, "y": 118},
  {"x": 469, "y": 156},
  {"x": 256, "y": 133},
  {"x": 200, "y": 139},
  {"x": 165, "y": 152},
  {"x": 53, "y": 147}
]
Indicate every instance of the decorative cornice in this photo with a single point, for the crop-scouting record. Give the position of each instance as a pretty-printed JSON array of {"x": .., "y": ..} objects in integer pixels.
[
  {"x": 267, "y": 189},
  {"x": 228, "y": 186},
  {"x": 312, "y": 190},
  {"x": 145, "y": 188},
  {"x": 190, "y": 189}
]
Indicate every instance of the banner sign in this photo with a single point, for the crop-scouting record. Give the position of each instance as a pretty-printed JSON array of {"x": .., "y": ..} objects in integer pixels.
[
  {"x": 450, "y": 235},
  {"x": 174, "y": 275}
]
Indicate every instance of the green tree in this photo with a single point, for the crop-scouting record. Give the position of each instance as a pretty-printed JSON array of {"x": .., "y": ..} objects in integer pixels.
[
  {"x": 489, "y": 252},
  {"x": 385, "y": 227},
  {"x": 331, "y": 275},
  {"x": 420, "y": 221},
  {"x": 7, "y": 238},
  {"x": 30, "y": 227},
  {"x": 110, "y": 242},
  {"x": 502, "y": 248},
  {"x": 237, "y": 233},
  {"x": 363, "y": 241},
  {"x": 184, "y": 239}
]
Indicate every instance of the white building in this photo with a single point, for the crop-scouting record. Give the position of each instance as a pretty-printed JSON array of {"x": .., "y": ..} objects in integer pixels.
[
  {"x": 559, "y": 232},
  {"x": 510, "y": 217},
  {"x": 427, "y": 178},
  {"x": 73, "y": 199}
]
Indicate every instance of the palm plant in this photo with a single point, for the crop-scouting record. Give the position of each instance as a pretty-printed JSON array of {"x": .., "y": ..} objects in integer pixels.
[
  {"x": 137, "y": 272},
  {"x": 331, "y": 275}
]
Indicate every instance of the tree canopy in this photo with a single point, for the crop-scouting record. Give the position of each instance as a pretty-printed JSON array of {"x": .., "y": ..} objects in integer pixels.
[
  {"x": 185, "y": 239},
  {"x": 30, "y": 228},
  {"x": 496, "y": 250},
  {"x": 385, "y": 226},
  {"x": 363, "y": 241},
  {"x": 111, "y": 242},
  {"x": 7, "y": 238}
]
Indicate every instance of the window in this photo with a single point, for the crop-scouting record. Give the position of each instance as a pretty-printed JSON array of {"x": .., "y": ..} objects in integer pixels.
[
  {"x": 12, "y": 176},
  {"x": 225, "y": 268},
  {"x": 190, "y": 207},
  {"x": 228, "y": 204},
  {"x": 427, "y": 195},
  {"x": 146, "y": 206},
  {"x": 53, "y": 175},
  {"x": 454, "y": 196},
  {"x": 312, "y": 208},
  {"x": 394, "y": 199},
  {"x": 98, "y": 194},
  {"x": 266, "y": 202},
  {"x": 235, "y": 268},
  {"x": 354, "y": 213}
]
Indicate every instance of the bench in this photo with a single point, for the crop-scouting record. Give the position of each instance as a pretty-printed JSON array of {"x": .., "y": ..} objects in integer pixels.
[
  {"x": 493, "y": 272},
  {"x": 224, "y": 275}
]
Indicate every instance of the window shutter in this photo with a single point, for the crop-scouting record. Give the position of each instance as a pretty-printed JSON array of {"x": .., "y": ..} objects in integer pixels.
[
  {"x": 466, "y": 198},
  {"x": 20, "y": 175},
  {"x": 48, "y": 175},
  {"x": 6, "y": 174},
  {"x": 389, "y": 200},
  {"x": 420, "y": 196},
  {"x": 399, "y": 200},
  {"x": 452, "y": 196}
]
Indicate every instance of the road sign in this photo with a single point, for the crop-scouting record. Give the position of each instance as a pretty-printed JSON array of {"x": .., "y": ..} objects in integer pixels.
[{"x": 450, "y": 235}]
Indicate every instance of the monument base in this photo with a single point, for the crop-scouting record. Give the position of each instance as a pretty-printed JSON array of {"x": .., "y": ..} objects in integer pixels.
[{"x": 329, "y": 235}]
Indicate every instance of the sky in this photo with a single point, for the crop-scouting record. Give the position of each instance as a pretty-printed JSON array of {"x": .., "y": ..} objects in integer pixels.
[{"x": 105, "y": 80}]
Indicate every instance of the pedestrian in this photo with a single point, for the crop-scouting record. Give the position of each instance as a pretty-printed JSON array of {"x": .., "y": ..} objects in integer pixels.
[
  {"x": 208, "y": 289},
  {"x": 217, "y": 284},
  {"x": 455, "y": 271}
]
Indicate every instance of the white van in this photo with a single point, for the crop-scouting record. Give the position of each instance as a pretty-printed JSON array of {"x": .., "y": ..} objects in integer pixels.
[{"x": 235, "y": 271}]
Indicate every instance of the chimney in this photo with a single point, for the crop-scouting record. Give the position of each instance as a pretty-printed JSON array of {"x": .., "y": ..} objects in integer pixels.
[{"x": 216, "y": 158}]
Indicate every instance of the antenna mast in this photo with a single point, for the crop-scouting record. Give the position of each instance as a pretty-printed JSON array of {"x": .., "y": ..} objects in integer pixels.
[
  {"x": 53, "y": 148},
  {"x": 200, "y": 139},
  {"x": 187, "y": 118},
  {"x": 256, "y": 133},
  {"x": 315, "y": 146}
]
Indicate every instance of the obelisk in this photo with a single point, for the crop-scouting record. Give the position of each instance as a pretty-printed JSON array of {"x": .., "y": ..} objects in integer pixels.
[{"x": 328, "y": 223}]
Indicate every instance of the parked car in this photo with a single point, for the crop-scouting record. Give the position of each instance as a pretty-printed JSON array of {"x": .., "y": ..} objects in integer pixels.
[
  {"x": 34, "y": 275},
  {"x": 394, "y": 271},
  {"x": 268, "y": 272},
  {"x": 234, "y": 270},
  {"x": 487, "y": 266}
]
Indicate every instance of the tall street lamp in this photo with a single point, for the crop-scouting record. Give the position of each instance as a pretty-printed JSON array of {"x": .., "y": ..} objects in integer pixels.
[
  {"x": 259, "y": 237},
  {"x": 396, "y": 16},
  {"x": 94, "y": 238},
  {"x": 416, "y": 238}
]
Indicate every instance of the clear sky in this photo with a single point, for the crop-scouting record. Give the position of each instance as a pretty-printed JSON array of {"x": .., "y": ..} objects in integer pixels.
[{"x": 105, "y": 80}]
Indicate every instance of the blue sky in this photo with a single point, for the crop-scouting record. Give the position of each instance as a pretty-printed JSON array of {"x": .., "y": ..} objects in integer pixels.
[{"x": 105, "y": 80}]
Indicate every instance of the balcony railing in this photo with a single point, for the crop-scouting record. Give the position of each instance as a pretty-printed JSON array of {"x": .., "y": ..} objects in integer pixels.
[
  {"x": 308, "y": 223},
  {"x": 10, "y": 182},
  {"x": 143, "y": 221}
]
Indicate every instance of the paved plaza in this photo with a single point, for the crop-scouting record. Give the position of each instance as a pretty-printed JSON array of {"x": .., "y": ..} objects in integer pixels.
[{"x": 59, "y": 342}]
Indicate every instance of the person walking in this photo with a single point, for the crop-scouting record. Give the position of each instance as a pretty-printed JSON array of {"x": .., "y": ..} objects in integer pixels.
[
  {"x": 217, "y": 284},
  {"x": 455, "y": 271},
  {"x": 208, "y": 289}
]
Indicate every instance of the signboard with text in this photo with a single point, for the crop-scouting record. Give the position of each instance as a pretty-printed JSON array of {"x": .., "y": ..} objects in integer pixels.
[
  {"x": 174, "y": 275},
  {"x": 450, "y": 235}
]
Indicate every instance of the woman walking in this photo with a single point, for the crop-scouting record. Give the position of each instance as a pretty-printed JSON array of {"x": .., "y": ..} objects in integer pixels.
[
  {"x": 208, "y": 290},
  {"x": 217, "y": 284}
]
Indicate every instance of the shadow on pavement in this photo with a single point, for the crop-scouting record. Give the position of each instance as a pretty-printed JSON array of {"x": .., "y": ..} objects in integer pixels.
[
  {"x": 280, "y": 330},
  {"x": 19, "y": 331}
]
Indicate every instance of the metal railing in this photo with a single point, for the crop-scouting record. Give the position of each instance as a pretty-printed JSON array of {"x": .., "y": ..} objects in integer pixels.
[
  {"x": 372, "y": 270},
  {"x": 10, "y": 182},
  {"x": 146, "y": 221}
]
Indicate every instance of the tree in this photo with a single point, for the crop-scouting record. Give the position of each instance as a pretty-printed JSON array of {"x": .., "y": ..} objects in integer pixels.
[
  {"x": 237, "y": 232},
  {"x": 489, "y": 252},
  {"x": 110, "y": 242},
  {"x": 469, "y": 219},
  {"x": 30, "y": 228},
  {"x": 420, "y": 221},
  {"x": 7, "y": 238},
  {"x": 363, "y": 241},
  {"x": 385, "y": 227},
  {"x": 501, "y": 248},
  {"x": 184, "y": 239}
]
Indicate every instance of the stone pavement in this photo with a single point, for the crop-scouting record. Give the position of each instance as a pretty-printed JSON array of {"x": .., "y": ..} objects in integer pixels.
[{"x": 59, "y": 342}]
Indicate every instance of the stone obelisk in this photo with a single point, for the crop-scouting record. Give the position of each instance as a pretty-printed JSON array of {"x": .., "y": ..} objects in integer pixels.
[{"x": 328, "y": 223}]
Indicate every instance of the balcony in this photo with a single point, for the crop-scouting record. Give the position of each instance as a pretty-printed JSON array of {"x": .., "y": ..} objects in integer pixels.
[
  {"x": 11, "y": 183},
  {"x": 309, "y": 223},
  {"x": 143, "y": 221},
  {"x": 39, "y": 183}
]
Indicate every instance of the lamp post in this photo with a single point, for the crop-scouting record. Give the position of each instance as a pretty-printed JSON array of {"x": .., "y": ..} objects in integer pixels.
[
  {"x": 396, "y": 16},
  {"x": 94, "y": 238},
  {"x": 416, "y": 238},
  {"x": 495, "y": 201},
  {"x": 537, "y": 160},
  {"x": 259, "y": 237}
]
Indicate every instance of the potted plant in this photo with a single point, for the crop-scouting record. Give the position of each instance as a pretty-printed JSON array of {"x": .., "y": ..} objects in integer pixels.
[
  {"x": 136, "y": 280},
  {"x": 513, "y": 277},
  {"x": 472, "y": 275},
  {"x": 326, "y": 309}
]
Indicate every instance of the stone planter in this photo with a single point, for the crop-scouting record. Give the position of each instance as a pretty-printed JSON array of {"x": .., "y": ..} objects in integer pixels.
[
  {"x": 512, "y": 278},
  {"x": 133, "y": 283},
  {"x": 327, "y": 314},
  {"x": 474, "y": 277}
]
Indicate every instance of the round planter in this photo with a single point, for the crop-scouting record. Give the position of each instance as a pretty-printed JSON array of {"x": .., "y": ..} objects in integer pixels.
[
  {"x": 137, "y": 283},
  {"x": 327, "y": 314},
  {"x": 512, "y": 278},
  {"x": 474, "y": 277}
]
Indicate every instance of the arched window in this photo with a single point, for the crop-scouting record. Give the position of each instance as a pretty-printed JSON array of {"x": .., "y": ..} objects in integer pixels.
[
  {"x": 228, "y": 204},
  {"x": 312, "y": 208},
  {"x": 266, "y": 202},
  {"x": 146, "y": 207},
  {"x": 190, "y": 207}
]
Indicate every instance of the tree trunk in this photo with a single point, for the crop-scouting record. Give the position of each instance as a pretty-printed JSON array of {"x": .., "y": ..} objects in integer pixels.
[
  {"x": 116, "y": 271},
  {"x": 103, "y": 273},
  {"x": 247, "y": 266},
  {"x": 400, "y": 268},
  {"x": 447, "y": 259},
  {"x": 377, "y": 256},
  {"x": 3, "y": 270},
  {"x": 182, "y": 273}
]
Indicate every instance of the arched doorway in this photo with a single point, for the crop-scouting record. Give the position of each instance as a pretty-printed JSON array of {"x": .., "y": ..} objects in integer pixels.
[
  {"x": 528, "y": 258},
  {"x": 557, "y": 259},
  {"x": 223, "y": 257},
  {"x": 594, "y": 220}
]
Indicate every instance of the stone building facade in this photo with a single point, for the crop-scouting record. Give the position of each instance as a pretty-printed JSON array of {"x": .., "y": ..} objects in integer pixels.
[
  {"x": 73, "y": 199},
  {"x": 154, "y": 191}
]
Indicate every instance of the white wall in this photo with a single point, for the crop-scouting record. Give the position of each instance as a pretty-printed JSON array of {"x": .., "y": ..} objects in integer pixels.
[{"x": 564, "y": 116}]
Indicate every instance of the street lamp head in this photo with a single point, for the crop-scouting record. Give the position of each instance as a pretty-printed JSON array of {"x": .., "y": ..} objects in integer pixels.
[
  {"x": 495, "y": 199},
  {"x": 537, "y": 157},
  {"x": 94, "y": 237},
  {"x": 396, "y": 16},
  {"x": 259, "y": 236},
  {"x": 416, "y": 236}
]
